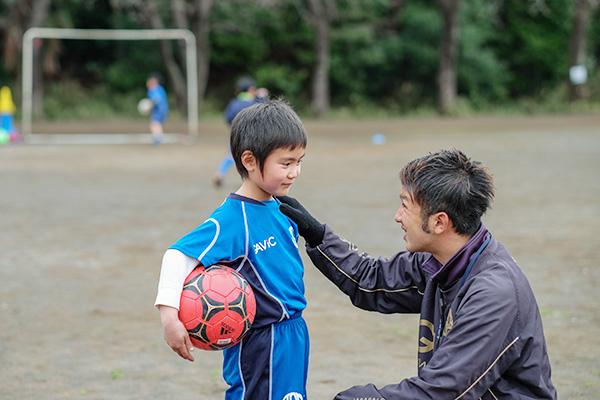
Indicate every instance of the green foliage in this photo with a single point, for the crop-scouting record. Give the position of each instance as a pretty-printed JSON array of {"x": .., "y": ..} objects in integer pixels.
[
  {"x": 482, "y": 76},
  {"x": 594, "y": 51},
  {"x": 534, "y": 44},
  {"x": 116, "y": 374},
  {"x": 374, "y": 57},
  {"x": 282, "y": 80},
  {"x": 249, "y": 38},
  {"x": 512, "y": 55},
  {"x": 69, "y": 100},
  {"x": 419, "y": 41}
]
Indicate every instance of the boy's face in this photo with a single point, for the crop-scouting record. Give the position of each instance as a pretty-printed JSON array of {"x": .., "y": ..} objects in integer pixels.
[{"x": 280, "y": 170}]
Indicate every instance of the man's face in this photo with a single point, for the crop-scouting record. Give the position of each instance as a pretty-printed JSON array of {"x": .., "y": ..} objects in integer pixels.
[
  {"x": 280, "y": 170},
  {"x": 409, "y": 218}
]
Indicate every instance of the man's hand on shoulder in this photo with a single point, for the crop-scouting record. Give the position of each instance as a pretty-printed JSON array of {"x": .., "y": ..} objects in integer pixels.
[{"x": 308, "y": 226}]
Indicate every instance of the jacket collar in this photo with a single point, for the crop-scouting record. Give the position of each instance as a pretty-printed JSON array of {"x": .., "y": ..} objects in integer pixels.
[{"x": 449, "y": 273}]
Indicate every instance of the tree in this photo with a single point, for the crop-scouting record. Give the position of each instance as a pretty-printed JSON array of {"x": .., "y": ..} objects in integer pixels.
[
  {"x": 448, "y": 50},
  {"x": 184, "y": 14},
  {"x": 22, "y": 16},
  {"x": 202, "y": 31},
  {"x": 199, "y": 15},
  {"x": 321, "y": 13},
  {"x": 577, "y": 46},
  {"x": 147, "y": 14}
]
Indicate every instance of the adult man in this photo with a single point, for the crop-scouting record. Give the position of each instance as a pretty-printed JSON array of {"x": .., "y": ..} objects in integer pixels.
[{"x": 480, "y": 333}]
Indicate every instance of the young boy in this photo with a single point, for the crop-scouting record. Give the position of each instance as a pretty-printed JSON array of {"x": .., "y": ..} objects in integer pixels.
[
  {"x": 249, "y": 233},
  {"x": 160, "y": 107}
]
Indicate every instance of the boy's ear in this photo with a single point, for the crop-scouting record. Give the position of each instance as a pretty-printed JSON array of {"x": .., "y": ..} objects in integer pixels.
[{"x": 249, "y": 161}]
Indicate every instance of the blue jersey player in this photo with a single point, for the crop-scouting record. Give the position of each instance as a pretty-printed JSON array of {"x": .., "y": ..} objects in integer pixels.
[
  {"x": 246, "y": 95},
  {"x": 160, "y": 107},
  {"x": 250, "y": 234}
]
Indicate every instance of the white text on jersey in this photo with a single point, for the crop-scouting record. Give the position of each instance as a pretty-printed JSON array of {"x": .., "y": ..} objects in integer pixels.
[{"x": 264, "y": 245}]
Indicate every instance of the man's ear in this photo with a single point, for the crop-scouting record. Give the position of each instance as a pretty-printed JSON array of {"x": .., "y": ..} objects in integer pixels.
[
  {"x": 249, "y": 161},
  {"x": 441, "y": 222}
]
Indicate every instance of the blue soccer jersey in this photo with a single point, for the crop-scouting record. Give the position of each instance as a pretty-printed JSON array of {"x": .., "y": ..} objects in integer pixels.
[
  {"x": 160, "y": 109},
  {"x": 257, "y": 240}
]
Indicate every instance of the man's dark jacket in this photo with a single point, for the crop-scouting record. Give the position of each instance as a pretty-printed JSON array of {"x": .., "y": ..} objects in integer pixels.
[{"x": 480, "y": 333}]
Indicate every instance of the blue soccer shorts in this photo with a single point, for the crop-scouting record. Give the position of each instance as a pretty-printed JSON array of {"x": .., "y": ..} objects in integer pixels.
[
  {"x": 159, "y": 117},
  {"x": 271, "y": 363}
]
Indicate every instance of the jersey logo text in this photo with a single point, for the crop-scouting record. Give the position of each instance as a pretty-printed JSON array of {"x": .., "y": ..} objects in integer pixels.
[{"x": 265, "y": 244}]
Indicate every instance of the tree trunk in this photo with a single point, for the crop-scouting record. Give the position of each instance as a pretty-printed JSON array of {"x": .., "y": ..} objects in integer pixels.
[
  {"x": 23, "y": 15},
  {"x": 448, "y": 51},
  {"x": 390, "y": 23},
  {"x": 179, "y": 11},
  {"x": 577, "y": 50},
  {"x": 16, "y": 24},
  {"x": 321, "y": 15},
  {"x": 202, "y": 30},
  {"x": 39, "y": 15},
  {"x": 39, "y": 12},
  {"x": 173, "y": 70}
]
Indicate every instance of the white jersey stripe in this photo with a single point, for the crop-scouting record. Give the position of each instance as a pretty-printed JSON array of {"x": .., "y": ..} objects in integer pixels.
[
  {"x": 218, "y": 230},
  {"x": 240, "y": 368},
  {"x": 271, "y": 362},
  {"x": 285, "y": 313}
]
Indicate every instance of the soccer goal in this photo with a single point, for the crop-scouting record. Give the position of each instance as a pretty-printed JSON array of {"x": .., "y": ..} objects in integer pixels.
[{"x": 105, "y": 34}]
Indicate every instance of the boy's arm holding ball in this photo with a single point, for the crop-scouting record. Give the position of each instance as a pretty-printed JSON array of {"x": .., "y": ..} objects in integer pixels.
[
  {"x": 175, "y": 333},
  {"x": 175, "y": 267}
]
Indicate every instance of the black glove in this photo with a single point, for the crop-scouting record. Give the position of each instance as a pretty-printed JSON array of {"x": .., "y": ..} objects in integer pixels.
[
  {"x": 309, "y": 228},
  {"x": 360, "y": 392}
]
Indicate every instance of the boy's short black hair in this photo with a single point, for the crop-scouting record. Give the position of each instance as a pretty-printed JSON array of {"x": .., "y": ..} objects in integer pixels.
[
  {"x": 262, "y": 128},
  {"x": 157, "y": 76},
  {"x": 449, "y": 181}
]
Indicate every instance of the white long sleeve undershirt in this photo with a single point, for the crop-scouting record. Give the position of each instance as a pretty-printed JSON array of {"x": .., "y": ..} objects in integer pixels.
[{"x": 176, "y": 266}]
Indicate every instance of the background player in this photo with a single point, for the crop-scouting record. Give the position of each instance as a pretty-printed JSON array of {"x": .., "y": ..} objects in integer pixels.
[
  {"x": 249, "y": 233},
  {"x": 160, "y": 107},
  {"x": 246, "y": 96}
]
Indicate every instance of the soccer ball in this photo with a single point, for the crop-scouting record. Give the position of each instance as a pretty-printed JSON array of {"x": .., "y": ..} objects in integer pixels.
[
  {"x": 217, "y": 307},
  {"x": 145, "y": 106}
]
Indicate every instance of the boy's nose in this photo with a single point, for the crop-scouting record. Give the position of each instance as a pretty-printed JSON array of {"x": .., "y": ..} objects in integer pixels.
[{"x": 294, "y": 172}]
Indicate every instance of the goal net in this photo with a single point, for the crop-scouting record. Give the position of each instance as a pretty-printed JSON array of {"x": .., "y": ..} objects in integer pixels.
[{"x": 28, "y": 69}]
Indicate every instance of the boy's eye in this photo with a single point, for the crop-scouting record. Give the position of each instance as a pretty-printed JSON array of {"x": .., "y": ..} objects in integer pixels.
[{"x": 291, "y": 162}]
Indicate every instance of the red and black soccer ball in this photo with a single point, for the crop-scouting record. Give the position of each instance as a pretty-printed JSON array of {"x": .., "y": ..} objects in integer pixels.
[{"x": 217, "y": 307}]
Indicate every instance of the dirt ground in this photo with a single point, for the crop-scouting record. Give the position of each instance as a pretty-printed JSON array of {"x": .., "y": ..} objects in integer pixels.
[{"x": 83, "y": 229}]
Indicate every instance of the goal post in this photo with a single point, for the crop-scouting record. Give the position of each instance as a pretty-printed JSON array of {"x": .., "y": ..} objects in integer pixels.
[{"x": 109, "y": 34}]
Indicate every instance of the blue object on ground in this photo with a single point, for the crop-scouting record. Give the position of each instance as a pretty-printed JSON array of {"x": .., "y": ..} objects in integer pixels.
[{"x": 378, "y": 138}]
